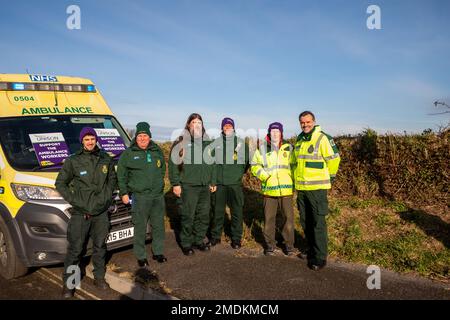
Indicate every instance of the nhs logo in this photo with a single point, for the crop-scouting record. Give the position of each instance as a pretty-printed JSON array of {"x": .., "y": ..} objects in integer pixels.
[{"x": 41, "y": 78}]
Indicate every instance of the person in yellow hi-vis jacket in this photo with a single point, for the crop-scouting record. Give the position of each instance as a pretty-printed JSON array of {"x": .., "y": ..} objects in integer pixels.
[
  {"x": 317, "y": 158},
  {"x": 271, "y": 164}
]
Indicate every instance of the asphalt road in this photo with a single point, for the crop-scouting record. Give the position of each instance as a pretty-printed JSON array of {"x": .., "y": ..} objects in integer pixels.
[
  {"x": 224, "y": 273},
  {"x": 246, "y": 274},
  {"x": 46, "y": 284}
]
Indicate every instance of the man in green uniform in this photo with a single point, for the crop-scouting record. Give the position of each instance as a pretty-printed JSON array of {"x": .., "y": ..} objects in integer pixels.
[
  {"x": 192, "y": 174},
  {"x": 87, "y": 181},
  {"x": 141, "y": 172},
  {"x": 232, "y": 160},
  {"x": 318, "y": 160}
]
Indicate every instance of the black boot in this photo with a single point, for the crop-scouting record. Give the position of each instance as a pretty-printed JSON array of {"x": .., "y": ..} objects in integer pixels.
[
  {"x": 214, "y": 242},
  {"x": 101, "y": 284},
  {"x": 236, "y": 244},
  {"x": 188, "y": 251},
  {"x": 317, "y": 264},
  {"x": 143, "y": 263},
  {"x": 160, "y": 258}
]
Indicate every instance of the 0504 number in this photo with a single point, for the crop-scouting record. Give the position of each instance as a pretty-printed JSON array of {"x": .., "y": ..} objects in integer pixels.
[{"x": 22, "y": 98}]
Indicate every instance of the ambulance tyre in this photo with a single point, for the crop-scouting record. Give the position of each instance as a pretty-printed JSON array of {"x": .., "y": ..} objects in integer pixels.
[{"x": 10, "y": 265}]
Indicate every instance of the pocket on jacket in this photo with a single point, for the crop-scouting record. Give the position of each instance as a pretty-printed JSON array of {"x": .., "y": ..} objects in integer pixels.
[
  {"x": 76, "y": 199},
  {"x": 314, "y": 165}
]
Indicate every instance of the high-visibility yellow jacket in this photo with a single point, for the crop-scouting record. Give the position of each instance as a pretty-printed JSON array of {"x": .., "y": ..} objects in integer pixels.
[
  {"x": 317, "y": 158},
  {"x": 273, "y": 168}
]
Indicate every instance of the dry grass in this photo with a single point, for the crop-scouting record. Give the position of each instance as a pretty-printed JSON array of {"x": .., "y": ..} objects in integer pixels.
[{"x": 383, "y": 233}]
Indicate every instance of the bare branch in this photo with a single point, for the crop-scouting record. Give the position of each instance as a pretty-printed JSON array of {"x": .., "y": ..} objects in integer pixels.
[{"x": 440, "y": 103}]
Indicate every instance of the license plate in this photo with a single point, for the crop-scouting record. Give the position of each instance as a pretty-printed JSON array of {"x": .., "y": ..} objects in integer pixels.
[{"x": 120, "y": 235}]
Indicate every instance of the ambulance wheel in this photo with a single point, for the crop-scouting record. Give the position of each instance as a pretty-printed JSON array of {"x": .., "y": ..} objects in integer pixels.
[{"x": 10, "y": 265}]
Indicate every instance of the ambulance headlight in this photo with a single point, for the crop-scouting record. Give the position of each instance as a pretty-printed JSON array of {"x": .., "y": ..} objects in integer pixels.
[{"x": 28, "y": 192}]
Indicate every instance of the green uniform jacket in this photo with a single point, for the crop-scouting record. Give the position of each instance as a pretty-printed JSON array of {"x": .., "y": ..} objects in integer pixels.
[
  {"x": 87, "y": 181},
  {"x": 231, "y": 164},
  {"x": 141, "y": 171},
  {"x": 189, "y": 172}
]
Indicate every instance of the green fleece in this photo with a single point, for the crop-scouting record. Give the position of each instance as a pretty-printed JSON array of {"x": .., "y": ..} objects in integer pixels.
[
  {"x": 87, "y": 181},
  {"x": 196, "y": 174},
  {"x": 141, "y": 171},
  {"x": 232, "y": 159}
]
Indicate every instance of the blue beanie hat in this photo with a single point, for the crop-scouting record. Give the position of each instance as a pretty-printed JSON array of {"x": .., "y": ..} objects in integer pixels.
[{"x": 87, "y": 131}]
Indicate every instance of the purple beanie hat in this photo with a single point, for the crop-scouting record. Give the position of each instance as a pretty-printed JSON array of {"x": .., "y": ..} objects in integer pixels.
[
  {"x": 227, "y": 121},
  {"x": 87, "y": 131},
  {"x": 276, "y": 125}
]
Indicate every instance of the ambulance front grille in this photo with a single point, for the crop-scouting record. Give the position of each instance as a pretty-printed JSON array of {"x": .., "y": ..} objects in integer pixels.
[{"x": 120, "y": 218}]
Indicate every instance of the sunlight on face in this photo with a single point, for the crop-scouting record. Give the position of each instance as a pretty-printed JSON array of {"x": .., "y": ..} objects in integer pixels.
[
  {"x": 307, "y": 123},
  {"x": 143, "y": 140}
]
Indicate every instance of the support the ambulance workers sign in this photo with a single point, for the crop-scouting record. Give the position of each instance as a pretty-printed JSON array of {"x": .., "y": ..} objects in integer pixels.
[
  {"x": 50, "y": 148},
  {"x": 110, "y": 141}
]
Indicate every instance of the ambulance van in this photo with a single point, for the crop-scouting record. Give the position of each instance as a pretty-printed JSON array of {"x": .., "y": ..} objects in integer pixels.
[{"x": 41, "y": 117}]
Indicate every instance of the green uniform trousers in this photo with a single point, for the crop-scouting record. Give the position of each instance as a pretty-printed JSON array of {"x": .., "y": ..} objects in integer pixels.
[
  {"x": 79, "y": 230},
  {"x": 233, "y": 196},
  {"x": 194, "y": 207},
  {"x": 148, "y": 209},
  {"x": 313, "y": 208}
]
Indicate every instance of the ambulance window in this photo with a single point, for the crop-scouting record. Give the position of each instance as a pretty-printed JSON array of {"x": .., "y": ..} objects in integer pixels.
[
  {"x": 108, "y": 124},
  {"x": 19, "y": 150}
]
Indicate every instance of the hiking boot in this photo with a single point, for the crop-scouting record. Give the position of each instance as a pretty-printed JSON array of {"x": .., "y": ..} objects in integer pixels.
[
  {"x": 269, "y": 251},
  {"x": 289, "y": 251},
  {"x": 101, "y": 284}
]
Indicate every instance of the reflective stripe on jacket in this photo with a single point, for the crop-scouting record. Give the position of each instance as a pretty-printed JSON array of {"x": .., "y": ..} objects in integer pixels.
[
  {"x": 273, "y": 168},
  {"x": 317, "y": 158}
]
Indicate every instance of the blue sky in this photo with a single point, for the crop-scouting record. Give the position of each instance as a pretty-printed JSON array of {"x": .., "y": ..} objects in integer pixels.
[{"x": 254, "y": 60}]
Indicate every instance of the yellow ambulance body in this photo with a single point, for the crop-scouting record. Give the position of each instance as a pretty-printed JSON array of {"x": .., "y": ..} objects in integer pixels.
[{"x": 33, "y": 216}]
